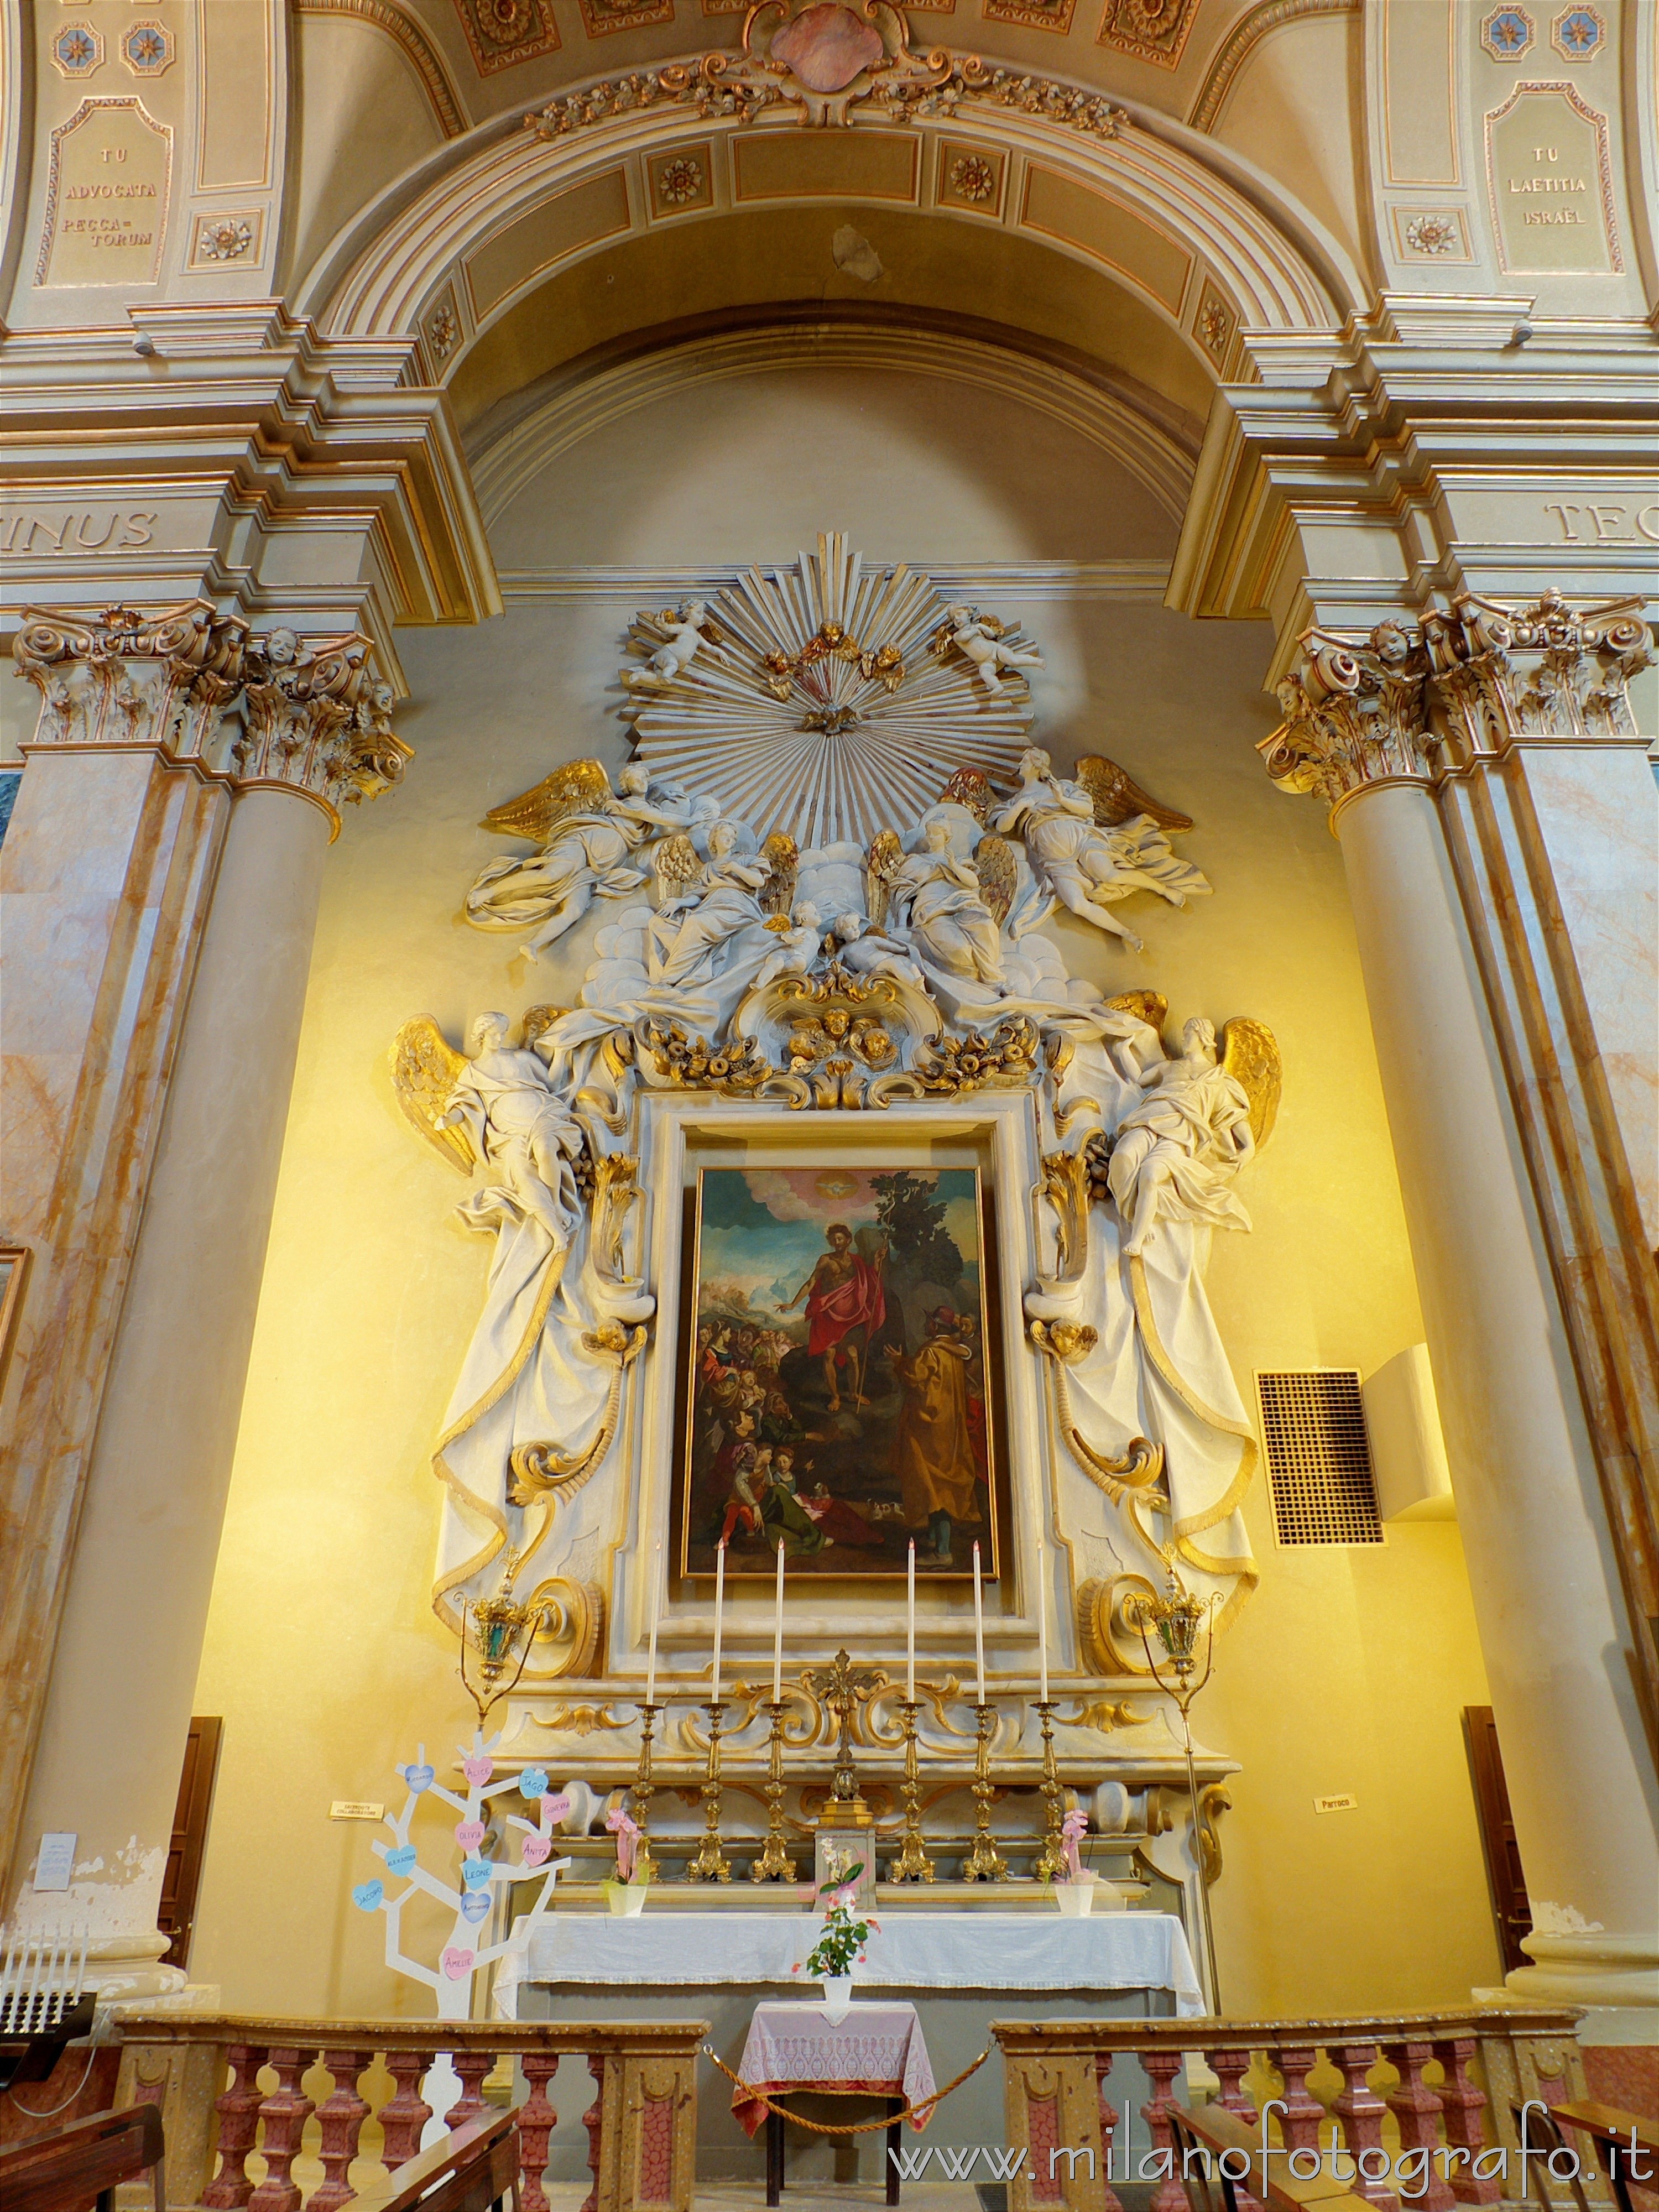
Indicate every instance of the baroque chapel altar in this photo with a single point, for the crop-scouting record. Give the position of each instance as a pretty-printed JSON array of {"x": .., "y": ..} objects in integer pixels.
[{"x": 815, "y": 901}]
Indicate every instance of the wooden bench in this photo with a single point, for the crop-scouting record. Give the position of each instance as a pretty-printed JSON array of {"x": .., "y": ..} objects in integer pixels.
[
  {"x": 472, "y": 2170},
  {"x": 1618, "y": 2138},
  {"x": 1200, "y": 2138},
  {"x": 84, "y": 2162}
]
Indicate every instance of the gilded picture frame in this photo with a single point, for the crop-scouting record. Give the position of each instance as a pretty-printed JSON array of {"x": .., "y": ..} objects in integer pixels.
[{"x": 839, "y": 1384}]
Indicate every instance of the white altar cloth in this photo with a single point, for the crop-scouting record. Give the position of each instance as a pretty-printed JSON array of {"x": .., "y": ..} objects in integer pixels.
[{"x": 910, "y": 1951}]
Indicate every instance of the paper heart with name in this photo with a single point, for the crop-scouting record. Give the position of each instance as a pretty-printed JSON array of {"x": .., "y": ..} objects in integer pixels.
[
  {"x": 457, "y": 1963},
  {"x": 474, "y": 1873},
  {"x": 419, "y": 1777},
  {"x": 474, "y": 1905},
  {"x": 536, "y": 1849},
  {"x": 400, "y": 1860},
  {"x": 477, "y": 1770},
  {"x": 468, "y": 1834},
  {"x": 532, "y": 1784},
  {"x": 367, "y": 1895}
]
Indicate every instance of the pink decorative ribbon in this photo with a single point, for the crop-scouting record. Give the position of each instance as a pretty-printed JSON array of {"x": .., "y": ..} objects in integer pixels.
[
  {"x": 626, "y": 1829},
  {"x": 1075, "y": 1825}
]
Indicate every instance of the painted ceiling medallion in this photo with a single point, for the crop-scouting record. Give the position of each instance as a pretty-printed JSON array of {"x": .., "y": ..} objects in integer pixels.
[
  {"x": 822, "y": 56},
  {"x": 826, "y": 695},
  {"x": 148, "y": 48},
  {"x": 503, "y": 32},
  {"x": 1151, "y": 30},
  {"x": 1578, "y": 34},
  {"x": 1507, "y": 32},
  {"x": 76, "y": 49}
]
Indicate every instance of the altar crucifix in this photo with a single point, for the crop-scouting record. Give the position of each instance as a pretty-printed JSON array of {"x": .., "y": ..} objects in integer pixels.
[{"x": 843, "y": 1687}]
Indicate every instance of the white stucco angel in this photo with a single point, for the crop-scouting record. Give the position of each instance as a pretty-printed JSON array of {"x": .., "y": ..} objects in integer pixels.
[
  {"x": 800, "y": 944},
  {"x": 517, "y": 1125},
  {"x": 1088, "y": 864},
  {"x": 686, "y": 940},
  {"x": 864, "y": 950},
  {"x": 980, "y": 638},
  {"x": 589, "y": 837},
  {"x": 1176, "y": 1150},
  {"x": 939, "y": 896},
  {"x": 685, "y": 636}
]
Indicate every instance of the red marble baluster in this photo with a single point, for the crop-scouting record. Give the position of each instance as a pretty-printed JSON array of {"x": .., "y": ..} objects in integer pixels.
[
  {"x": 284, "y": 2112},
  {"x": 472, "y": 2066},
  {"x": 1463, "y": 2103},
  {"x": 1231, "y": 2064},
  {"x": 1162, "y": 2067},
  {"x": 239, "y": 2124},
  {"x": 1416, "y": 2109},
  {"x": 594, "y": 2121},
  {"x": 1109, "y": 2198},
  {"x": 403, "y": 2115},
  {"x": 1304, "y": 2115},
  {"x": 340, "y": 2116},
  {"x": 1360, "y": 2111},
  {"x": 537, "y": 2121}
]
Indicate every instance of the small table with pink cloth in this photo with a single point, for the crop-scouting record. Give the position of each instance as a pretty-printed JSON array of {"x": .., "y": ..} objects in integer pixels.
[{"x": 876, "y": 2050}]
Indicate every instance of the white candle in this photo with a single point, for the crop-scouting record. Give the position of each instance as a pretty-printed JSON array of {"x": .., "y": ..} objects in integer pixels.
[
  {"x": 720, "y": 1607},
  {"x": 656, "y": 1602},
  {"x": 80, "y": 1971},
  {"x": 777, "y": 1635},
  {"x": 910, "y": 1627},
  {"x": 1042, "y": 1619},
  {"x": 978, "y": 1628}
]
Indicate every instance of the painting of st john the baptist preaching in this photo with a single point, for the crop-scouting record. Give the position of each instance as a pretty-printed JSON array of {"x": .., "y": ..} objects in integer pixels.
[{"x": 837, "y": 1396}]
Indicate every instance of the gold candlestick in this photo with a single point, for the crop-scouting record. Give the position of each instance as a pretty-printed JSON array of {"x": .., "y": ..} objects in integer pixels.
[
  {"x": 984, "y": 1862},
  {"x": 644, "y": 1867},
  {"x": 774, "y": 1863},
  {"x": 913, "y": 1863},
  {"x": 1051, "y": 1862},
  {"x": 710, "y": 1864}
]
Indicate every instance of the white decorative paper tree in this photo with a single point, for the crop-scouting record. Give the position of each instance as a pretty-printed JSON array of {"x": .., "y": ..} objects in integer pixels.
[{"x": 483, "y": 1879}]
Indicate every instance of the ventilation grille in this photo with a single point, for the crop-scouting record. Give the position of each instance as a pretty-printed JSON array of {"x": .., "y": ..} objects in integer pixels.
[{"x": 1319, "y": 1457}]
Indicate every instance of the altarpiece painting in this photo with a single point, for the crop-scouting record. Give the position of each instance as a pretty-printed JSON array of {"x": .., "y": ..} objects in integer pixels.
[{"x": 836, "y": 1396}]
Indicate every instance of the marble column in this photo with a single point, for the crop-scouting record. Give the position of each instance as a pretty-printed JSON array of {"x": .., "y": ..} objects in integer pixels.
[
  {"x": 1544, "y": 1548},
  {"x": 126, "y": 1526}
]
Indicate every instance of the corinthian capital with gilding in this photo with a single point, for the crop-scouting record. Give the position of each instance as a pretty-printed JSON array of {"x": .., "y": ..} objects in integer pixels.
[
  {"x": 1498, "y": 673},
  {"x": 125, "y": 677},
  {"x": 1354, "y": 714},
  {"x": 315, "y": 717},
  {"x": 198, "y": 686}
]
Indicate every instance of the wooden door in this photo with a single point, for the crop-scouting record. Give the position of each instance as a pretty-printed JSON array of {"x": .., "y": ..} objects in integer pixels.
[
  {"x": 190, "y": 1825},
  {"x": 1504, "y": 1875}
]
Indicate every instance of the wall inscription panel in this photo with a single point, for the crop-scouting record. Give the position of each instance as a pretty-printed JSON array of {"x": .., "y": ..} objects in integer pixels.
[
  {"x": 1551, "y": 182},
  {"x": 106, "y": 196}
]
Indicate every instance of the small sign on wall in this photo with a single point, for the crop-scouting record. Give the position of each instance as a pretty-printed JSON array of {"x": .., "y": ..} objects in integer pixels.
[
  {"x": 1344, "y": 1803},
  {"x": 356, "y": 1808},
  {"x": 56, "y": 1861}
]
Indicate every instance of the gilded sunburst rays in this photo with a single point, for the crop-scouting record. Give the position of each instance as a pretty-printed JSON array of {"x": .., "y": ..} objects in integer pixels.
[{"x": 827, "y": 698}]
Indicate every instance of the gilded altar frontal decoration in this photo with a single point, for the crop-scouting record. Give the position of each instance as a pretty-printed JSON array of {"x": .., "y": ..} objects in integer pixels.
[{"x": 836, "y": 1398}]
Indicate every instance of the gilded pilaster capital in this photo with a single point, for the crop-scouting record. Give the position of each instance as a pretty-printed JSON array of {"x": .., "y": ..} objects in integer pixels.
[
  {"x": 270, "y": 709},
  {"x": 314, "y": 716},
  {"x": 130, "y": 678},
  {"x": 1353, "y": 713},
  {"x": 1497, "y": 674}
]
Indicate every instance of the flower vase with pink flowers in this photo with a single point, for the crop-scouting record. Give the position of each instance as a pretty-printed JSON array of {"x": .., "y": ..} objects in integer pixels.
[
  {"x": 1076, "y": 1893},
  {"x": 840, "y": 1946},
  {"x": 626, "y": 1894}
]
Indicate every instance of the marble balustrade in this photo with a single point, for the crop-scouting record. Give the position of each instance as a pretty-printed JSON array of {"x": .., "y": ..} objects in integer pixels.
[
  {"x": 252, "y": 2106},
  {"x": 1394, "y": 2083}
]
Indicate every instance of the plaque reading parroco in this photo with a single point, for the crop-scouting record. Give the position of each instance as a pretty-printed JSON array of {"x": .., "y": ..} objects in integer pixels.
[
  {"x": 106, "y": 196},
  {"x": 1551, "y": 191}
]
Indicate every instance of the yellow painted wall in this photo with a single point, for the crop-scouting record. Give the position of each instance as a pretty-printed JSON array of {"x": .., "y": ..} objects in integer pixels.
[{"x": 1347, "y": 1672}]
